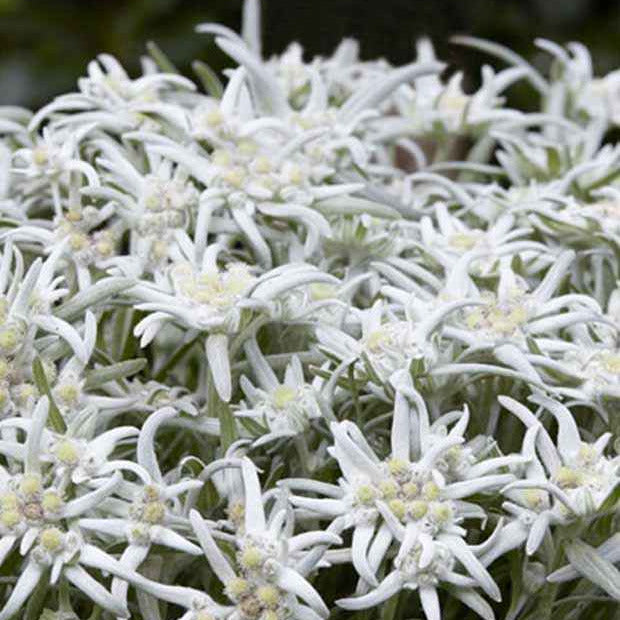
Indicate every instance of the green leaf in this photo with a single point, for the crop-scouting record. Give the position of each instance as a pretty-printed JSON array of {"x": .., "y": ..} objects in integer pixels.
[
  {"x": 593, "y": 567},
  {"x": 516, "y": 582},
  {"x": 209, "y": 79},
  {"x": 175, "y": 358},
  {"x": 162, "y": 60},
  {"x": 218, "y": 408},
  {"x": 389, "y": 608},
  {"x": 100, "y": 376},
  {"x": 54, "y": 418},
  {"x": 102, "y": 290},
  {"x": 611, "y": 501},
  {"x": 352, "y": 205},
  {"x": 553, "y": 161}
]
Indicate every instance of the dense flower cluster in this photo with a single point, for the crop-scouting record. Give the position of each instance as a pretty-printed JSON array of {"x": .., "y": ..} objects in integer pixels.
[{"x": 336, "y": 336}]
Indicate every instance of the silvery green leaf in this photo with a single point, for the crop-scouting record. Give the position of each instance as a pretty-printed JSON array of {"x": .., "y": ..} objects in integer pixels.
[
  {"x": 593, "y": 567},
  {"x": 98, "y": 292},
  {"x": 100, "y": 376}
]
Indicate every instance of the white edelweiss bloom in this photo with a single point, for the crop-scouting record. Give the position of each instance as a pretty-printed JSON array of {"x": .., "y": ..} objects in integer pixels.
[
  {"x": 596, "y": 366},
  {"x": 26, "y": 304},
  {"x": 333, "y": 265},
  {"x": 512, "y": 313},
  {"x": 152, "y": 205},
  {"x": 600, "y": 98},
  {"x": 583, "y": 94},
  {"x": 49, "y": 161},
  {"x": 389, "y": 344},
  {"x": 604, "y": 210},
  {"x": 287, "y": 407},
  {"x": 430, "y": 105},
  {"x": 72, "y": 456},
  {"x": 408, "y": 493},
  {"x": 81, "y": 235},
  {"x": 265, "y": 583},
  {"x": 211, "y": 300},
  {"x": 114, "y": 101},
  {"x": 454, "y": 238},
  {"x": 30, "y": 500},
  {"x": 564, "y": 480},
  {"x": 427, "y": 567},
  {"x": 66, "y": 554},
  {"x": 510, "y": 318},
  {"x": 147, "y": 511}
]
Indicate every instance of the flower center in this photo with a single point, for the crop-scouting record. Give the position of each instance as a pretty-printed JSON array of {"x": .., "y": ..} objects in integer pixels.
[
  {"x": 283, "y": 395},
  {"x": 51, "y": 539}
]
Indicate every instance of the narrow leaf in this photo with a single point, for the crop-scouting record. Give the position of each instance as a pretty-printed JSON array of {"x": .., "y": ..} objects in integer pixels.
[
  {"x": 593, "y": 567},
  {"x": 55, "y": 417}
]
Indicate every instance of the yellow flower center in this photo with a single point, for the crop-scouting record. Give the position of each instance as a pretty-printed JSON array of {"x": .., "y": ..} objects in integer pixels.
[
  {"x": 283, "y": 395},
  {"x": 30, "y": 484},
  {"x": 567, "y": 478},
  {"x": 221, "y": 158},
  {"x": 320, "y": 291},
  {"x": 66, "y": 452},
  {"x": 398, "y": 507},
  {"x": 397, "y": 466},
  {"x": 237, "y": 587},
  {"x": 534, "y": 498},
  {"x": 251, "y": 558},
  {"x": 262, "y": 165},
  {"x": 51, "y": 539},
  {"x": 214, "y": 117},
  {"x": 366, "y": 494},
  {"x": 430, "y": 491},
  {"x": 234, "y": 176},
  {"x": 441, "y": 513},
  {"x": 411, "y": 489},
  {"x": 388, "y": 488},
  {"x": 417, "y": 509},
  {"x": 376, "y": 339},
  {"x": 9, "y": 339},
  {"x": 154, "y": 512},
  {"x": 40, "y": 156},
  {"x": 462, "y": 241},
  {"x": 51, "y": 502},
  {"x": 10, "y": 518},
  {"x": 269, "y": 596},
  {"x": 611, "y": 363},
  {"x": 247, "y": 147},
  {"x": 9, "y": 501}
]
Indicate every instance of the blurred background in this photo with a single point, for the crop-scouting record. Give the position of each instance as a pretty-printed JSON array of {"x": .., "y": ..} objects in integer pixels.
[{"x": 45, "y": 44}]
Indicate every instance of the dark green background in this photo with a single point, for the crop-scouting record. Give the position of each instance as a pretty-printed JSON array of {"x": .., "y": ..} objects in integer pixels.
[{"x": 45, "y": 44}]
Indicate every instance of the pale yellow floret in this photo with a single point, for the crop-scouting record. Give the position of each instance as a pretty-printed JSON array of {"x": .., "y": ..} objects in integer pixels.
[
  {"x": 268, "y": 595},
  {"x": 430, "y": 491},
  {"x": 398, "y": 507},
  {"x": 51, "y": 502},
  {"x": 417, "y": 509},
  {"x": 251, "y": 558},
  {"x": 51, "y": 539},
  {"x": 30, "y": 484},
  {"x": 282, "y": 396}
]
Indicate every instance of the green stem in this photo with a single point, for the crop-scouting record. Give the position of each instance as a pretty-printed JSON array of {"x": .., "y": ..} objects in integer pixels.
[
  {"x": 175, "y": 358},
  {"x": 216, "y": 407}
]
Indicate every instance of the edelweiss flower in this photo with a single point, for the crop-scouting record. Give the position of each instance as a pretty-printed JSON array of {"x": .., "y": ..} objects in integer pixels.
[
  {"x": 286, "y": 408},
  {"x": 407, "y": 493},
  {"x": 265, "y": 585},
  {"x": 564, "y": 480}
]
